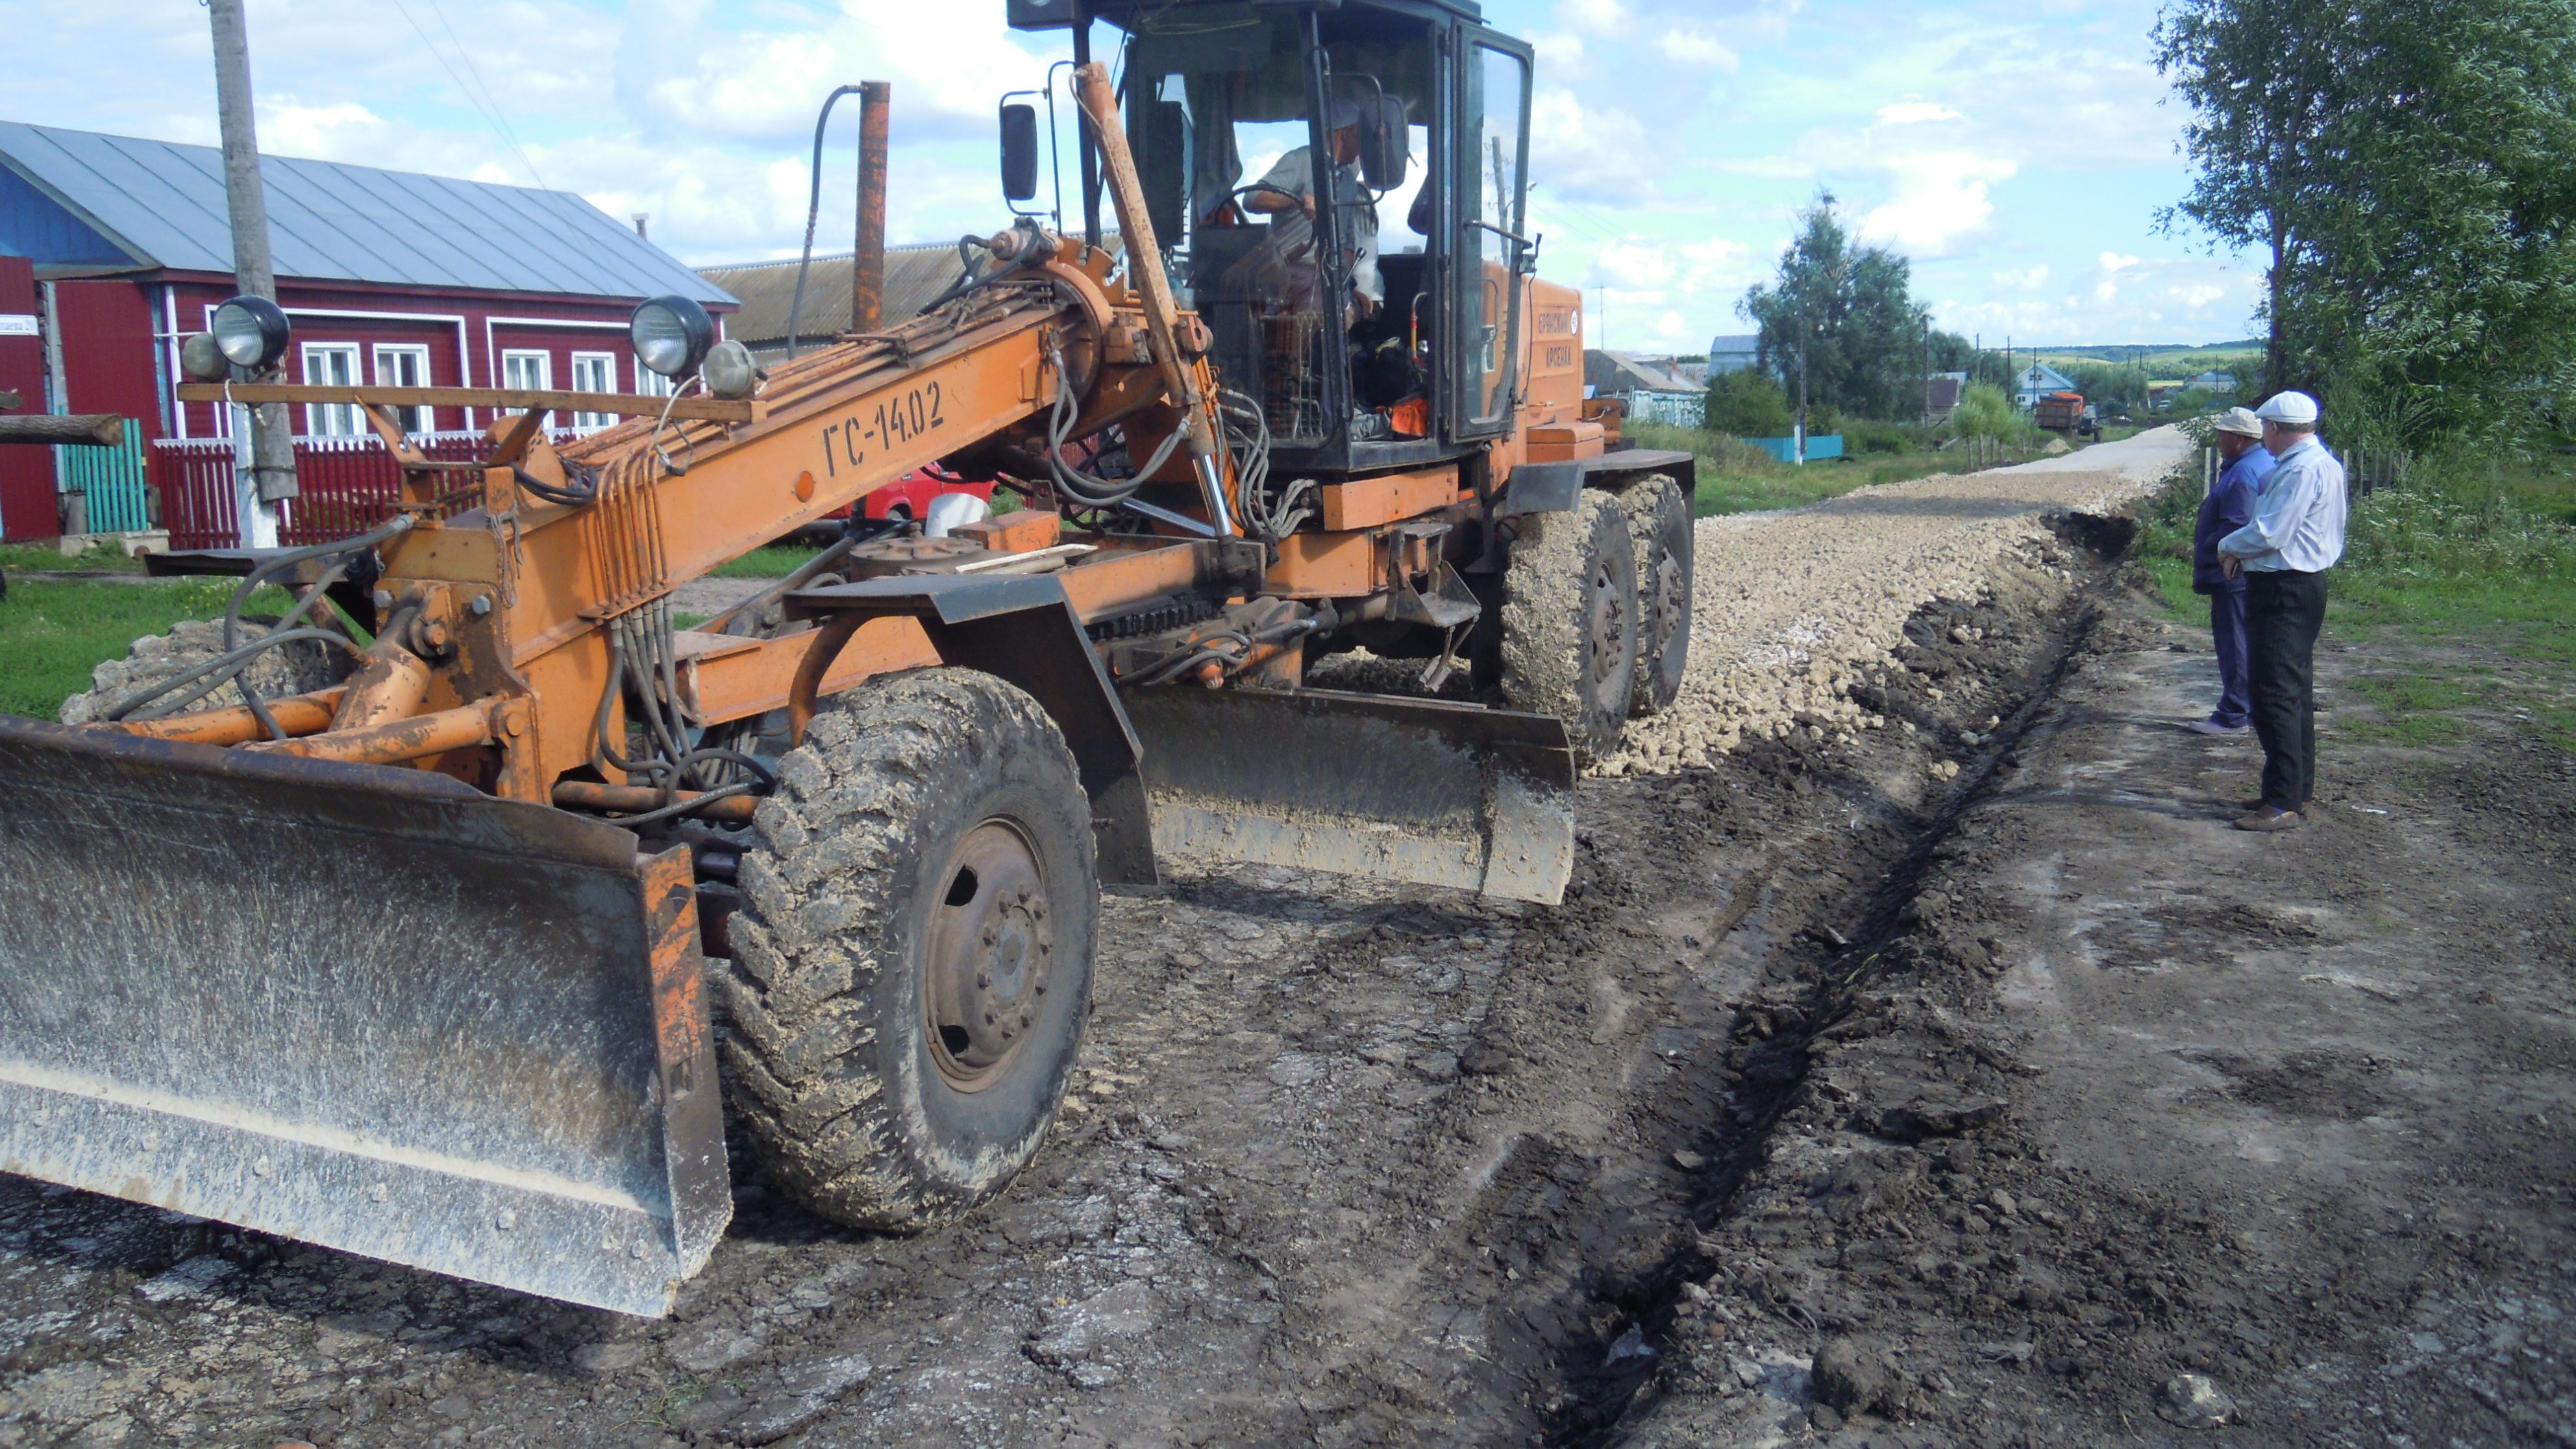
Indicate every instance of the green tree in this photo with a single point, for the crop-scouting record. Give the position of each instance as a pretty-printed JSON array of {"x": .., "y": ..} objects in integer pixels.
[
  {"x": 1746, "y": 403},
  {"x": 2403, "y": 168},
  {"x": 1838, "y": 323}
]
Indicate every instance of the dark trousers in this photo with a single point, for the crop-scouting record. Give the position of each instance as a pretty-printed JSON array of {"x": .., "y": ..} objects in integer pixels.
[
  {"x": 2227, "y": 631},
  {"x": 2283, "y": 611}
]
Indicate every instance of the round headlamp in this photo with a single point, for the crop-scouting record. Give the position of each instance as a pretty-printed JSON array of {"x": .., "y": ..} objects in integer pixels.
[
  {"x": 672, "y": 335},
  {"x": 251, "y": 332}
]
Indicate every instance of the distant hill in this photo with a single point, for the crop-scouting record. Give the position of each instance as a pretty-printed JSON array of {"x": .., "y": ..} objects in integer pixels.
[{"x": 2155, "y": 354}]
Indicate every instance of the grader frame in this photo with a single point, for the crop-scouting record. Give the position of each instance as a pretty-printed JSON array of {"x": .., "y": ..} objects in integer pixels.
[{"x": 412, "y": 965}]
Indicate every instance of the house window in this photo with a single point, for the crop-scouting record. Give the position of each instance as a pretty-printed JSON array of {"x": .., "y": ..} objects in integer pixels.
[
  {"x": 649, "y": 383},
  {"x": 331, "y": 364},
  {"x": 594, "y": 372},
  {"x": 405, "y": 366},
  {"x": 528, "y": 371}
]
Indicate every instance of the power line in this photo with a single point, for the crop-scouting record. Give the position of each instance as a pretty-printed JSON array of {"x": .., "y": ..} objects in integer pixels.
[{"x": 486, "y": 112}]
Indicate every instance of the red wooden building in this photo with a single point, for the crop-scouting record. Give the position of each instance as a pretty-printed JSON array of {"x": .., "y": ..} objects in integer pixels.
[{"x": 112, "y": 249}]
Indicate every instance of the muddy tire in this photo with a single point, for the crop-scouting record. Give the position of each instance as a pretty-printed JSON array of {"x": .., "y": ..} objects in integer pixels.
[
  {"x": 296, "y": 668},
  {"x": 1659, "y": 519},
  {"x": 1569, "y": 645},
  {"x": 912, "y": 960}
]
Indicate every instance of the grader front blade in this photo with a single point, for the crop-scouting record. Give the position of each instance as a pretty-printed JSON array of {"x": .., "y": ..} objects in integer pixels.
[
  {"x": 1398, "y": 789},
  {"x": 358, "y": 1006}
]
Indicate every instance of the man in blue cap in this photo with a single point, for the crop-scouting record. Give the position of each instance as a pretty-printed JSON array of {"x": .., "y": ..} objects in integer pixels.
[
  {"x": 2295, "y": 535},
  {"x": 2227, "y": 508}
]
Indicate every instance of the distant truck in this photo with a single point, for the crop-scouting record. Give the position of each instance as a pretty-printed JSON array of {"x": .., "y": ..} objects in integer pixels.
[{"x": 2067, "y": 412}]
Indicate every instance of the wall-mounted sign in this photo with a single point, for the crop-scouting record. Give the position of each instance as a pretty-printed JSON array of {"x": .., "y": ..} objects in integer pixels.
[{"x": 17, "y": 324}]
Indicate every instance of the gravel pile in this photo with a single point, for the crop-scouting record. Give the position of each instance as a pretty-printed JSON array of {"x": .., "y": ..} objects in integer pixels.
[{"x": 1791, "y": 607}]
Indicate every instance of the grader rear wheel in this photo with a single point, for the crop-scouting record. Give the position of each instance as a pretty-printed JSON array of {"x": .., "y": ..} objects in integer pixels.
[
  {"x": 1569, "y": 645},
  {"x": 1659, "y": 519},
  {"x": 912, "y": 962}
]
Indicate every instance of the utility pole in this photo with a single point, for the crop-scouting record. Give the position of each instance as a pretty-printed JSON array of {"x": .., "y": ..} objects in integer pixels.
[
  {"x": 265, "y": 468},
  {"x": 1802, "y": 394}
]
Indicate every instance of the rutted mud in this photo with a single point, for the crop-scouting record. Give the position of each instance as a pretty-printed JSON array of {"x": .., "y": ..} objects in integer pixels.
[{"x": 1345, "y": 1165}]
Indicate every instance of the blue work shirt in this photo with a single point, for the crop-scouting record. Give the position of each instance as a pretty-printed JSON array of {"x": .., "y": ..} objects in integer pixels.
[
  {"x": 2225, "y": 510},
  {"x": 2298, "y": 522}
]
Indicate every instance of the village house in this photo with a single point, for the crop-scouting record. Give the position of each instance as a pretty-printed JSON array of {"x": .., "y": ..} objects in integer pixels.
[{"x": 114, "y": 248}]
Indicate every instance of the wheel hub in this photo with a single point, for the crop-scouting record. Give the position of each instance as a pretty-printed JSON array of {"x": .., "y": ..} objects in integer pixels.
[
  {"x": 1606, "y": 624},
  {"x": 1670, "y": 590},
  {"x": 987, "y": 958}
]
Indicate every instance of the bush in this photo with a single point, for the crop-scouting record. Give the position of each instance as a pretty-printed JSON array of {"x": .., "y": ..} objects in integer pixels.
[
  {"x": 1984, "y": 412},
  {"x": 1746, "y": 404}
]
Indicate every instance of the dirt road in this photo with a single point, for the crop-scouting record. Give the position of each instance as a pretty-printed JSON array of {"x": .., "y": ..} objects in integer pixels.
[{"x": 1348, "y": 1165}]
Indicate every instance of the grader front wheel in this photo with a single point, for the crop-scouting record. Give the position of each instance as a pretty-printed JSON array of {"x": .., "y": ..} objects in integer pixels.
[
  {"x": 1569, "y": 638},
  {"x": 912, "y": 963}
]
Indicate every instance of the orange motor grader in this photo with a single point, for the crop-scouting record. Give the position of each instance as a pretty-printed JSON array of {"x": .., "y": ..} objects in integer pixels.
[{"x": 415, "y": 963}]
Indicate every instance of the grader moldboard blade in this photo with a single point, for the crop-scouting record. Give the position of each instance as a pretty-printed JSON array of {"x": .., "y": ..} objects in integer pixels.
[
  {"x": 1358, "y": 784},
  {"x": 359, "y": 1006}
]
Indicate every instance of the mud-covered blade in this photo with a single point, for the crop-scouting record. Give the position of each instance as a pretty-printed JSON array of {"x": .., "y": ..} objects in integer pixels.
[
  {"x": 364, "y": 1007},
  {"x": 1361, "y": 784}
]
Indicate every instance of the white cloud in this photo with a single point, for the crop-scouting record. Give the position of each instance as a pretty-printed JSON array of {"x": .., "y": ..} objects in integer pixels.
[
  {"x": 1557, "y": 49},
  {"x": 1604, "y": 16},
  {"x": 1585, "y": 154},
  {"x": 1914, "y": 113},
  {"x": 1692, "y": 48},
  {"x": 2196, "y": 295},
  {"x": 2028, "y": 279},
  {"x": 322, "y": 132},
  {"x": 1632, "y": 265},
  {"x": 2113, "y": 262},
  {"x": 1940, "y": 197}
]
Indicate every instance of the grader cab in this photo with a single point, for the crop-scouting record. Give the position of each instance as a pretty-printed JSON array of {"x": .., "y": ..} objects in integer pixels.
[{"x": 412, "y": 960}]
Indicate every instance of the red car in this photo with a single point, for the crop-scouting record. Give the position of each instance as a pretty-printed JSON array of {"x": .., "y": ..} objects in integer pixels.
[{"x": 902, "y": 501}]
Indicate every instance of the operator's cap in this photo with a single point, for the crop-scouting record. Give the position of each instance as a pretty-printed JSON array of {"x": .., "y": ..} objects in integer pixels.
[
  {"x": 2240, "y": 420},
  {"x": 2290, "y": 409},
  {"x": 1341, "y": 114}
]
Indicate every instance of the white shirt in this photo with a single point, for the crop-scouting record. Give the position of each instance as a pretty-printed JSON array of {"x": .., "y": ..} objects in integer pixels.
[
  {"x": 1295, "y": 173},
  {"x": 2298, "y": 521}
]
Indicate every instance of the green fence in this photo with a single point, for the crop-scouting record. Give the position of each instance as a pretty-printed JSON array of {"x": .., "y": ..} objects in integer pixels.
[{"x": 113, "y": 479}]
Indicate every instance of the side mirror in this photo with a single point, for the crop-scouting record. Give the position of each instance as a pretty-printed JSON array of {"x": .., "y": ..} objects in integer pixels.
[
  {"x": 1384, "y": 145},
  {"x": 1019, "y": 151}
]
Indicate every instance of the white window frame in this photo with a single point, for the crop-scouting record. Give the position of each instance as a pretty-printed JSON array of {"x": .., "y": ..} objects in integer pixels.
[
  {"x": 649, "y": 383},
  {"x": 331, "y": 420},
  {"x": 605, "y": 365},
  {"x": 545, "y": 361},
  {"x": 414, "y": 419}
]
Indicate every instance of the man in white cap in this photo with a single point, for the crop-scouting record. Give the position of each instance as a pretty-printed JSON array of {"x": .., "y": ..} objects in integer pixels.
[
  {"x": 1290, "y": 185},
  {"x": 2229, "y": 506},
  {"x": 2295, "y": 535}
]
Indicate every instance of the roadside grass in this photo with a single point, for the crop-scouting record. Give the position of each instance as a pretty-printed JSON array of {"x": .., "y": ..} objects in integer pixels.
[
  {"x": 773, "y": 561},
  {"x": 48, "y": 557},
  {"x": 2465, "y": 570},
  {"x": 54, "y": 631},
  {"x": 1736, "y": 477}
]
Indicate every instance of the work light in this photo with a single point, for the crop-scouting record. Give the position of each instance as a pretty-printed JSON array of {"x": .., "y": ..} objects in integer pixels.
[
  {"x": 252, "y": 333},
  {"x": 672, "y": 335},
  {"x": 202, "y": 358}
]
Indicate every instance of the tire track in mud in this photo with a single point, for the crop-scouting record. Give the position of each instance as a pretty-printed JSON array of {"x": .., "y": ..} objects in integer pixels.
[
  {"x": 1766, "y": 1059},
  {"x": 1346, "y": 1164}
]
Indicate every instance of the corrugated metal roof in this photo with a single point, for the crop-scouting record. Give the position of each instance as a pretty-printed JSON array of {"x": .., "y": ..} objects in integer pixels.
[
  {"x": 163, "y": 203},
  {"x": 913, "y": 276}
]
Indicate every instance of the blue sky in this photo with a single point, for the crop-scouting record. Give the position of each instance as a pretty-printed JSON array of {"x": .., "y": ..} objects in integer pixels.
[{"x": 2017, "y": 153}]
